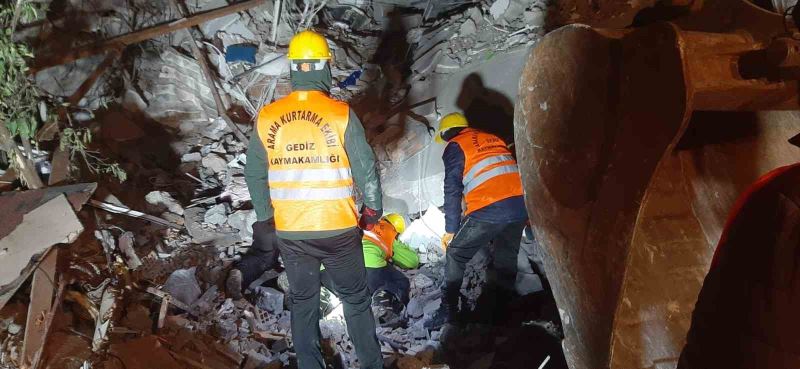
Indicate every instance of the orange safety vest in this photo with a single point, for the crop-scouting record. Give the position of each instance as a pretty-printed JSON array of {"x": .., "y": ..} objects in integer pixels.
[
  {"x": 383, "y": 235},
  {"x": 490, "y": 172},
  {"x": 310, "y": 184}
]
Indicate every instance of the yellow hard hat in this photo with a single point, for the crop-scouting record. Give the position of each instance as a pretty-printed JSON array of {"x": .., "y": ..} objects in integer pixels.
[
  {"x": 452, "y": 120},
  {"x": 397, "y": 221},
  {"x": 308, "y": 45}
]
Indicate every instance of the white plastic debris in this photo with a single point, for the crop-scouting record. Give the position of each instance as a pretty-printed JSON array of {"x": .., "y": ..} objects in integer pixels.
[{"x": 426, "y": 232}]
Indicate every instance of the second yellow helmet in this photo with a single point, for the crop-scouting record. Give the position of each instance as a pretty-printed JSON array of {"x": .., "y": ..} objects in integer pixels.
[
  {"x": 397, "y": 221},
  {"x": 452, "y": 120},
  {"x": 308, "y": 45}
]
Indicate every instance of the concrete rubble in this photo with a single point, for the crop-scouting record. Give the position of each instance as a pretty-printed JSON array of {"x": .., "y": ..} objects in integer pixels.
[{"x": 158, "y": 287}]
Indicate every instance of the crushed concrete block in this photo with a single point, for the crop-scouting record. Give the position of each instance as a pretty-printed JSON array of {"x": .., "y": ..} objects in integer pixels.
[
  {"x": 217, "y": 215},
  {"x": 422, "y": 281},
  {"x": 431, "y": 307},
  {"x": 214, "y": 163},
  {"x": 269, "y": 299},
  {"x": 414, "y": 307},
  {"x": 468, "y": 27},
  {"x": 475, "y": 14},
  {"x": 182, "y": 284},
  {"x": 498, "y": 8},
  {"x": 191, "y": 157},
  {"x": 164, "y": 200},
  {"x": 225, "y": 329}
]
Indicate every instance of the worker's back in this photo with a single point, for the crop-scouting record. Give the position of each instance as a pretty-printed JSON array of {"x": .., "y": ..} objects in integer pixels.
[{"x": 310, "y": 182}]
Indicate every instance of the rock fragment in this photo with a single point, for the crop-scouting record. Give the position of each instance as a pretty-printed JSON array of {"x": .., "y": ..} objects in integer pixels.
[
  {"x": 217, "y": 215},
  {"x": 183, "y": 285}
]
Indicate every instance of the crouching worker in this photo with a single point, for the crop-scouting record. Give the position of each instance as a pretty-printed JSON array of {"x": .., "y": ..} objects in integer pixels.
[{"x": 388, "y": 286}]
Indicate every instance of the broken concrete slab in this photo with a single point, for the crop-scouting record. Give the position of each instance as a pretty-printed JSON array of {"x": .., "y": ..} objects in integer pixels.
[{"x": 27, "y": 239}]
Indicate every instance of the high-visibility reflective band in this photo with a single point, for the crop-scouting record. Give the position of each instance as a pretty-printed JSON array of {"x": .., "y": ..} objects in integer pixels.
[
  {"x": 335, "y": 193},
  {"x": 297, "y": 175},
  {"x": 489, "y": 174},
  {"x": 483, "y": 164}
]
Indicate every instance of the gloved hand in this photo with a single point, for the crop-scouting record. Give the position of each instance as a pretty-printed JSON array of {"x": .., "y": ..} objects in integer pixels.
[
  {"x": 446, "y": 239},
  {"x": 369, "y": 218},
  {"x": 265, "y": 242}
]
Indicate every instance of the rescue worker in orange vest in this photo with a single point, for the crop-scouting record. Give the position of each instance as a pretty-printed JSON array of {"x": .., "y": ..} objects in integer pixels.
[
  {"x": 389, "y": 287},
  {"x": 305, "y": 156},
  {"x": 480, "y": 170}
]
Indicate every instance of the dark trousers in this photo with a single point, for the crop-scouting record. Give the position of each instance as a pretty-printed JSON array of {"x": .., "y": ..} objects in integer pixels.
[
  {"x": 343, "y": 259},
  {"x": 387, "y": 278},
  {"x": 471, "y": 237},
  {"x": 262, "y": 254}
]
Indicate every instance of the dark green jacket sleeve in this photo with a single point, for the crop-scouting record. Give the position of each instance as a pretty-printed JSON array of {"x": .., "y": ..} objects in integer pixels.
[
  {"x": 362, "y": 163},
  {"x": 255, "y": 174}
]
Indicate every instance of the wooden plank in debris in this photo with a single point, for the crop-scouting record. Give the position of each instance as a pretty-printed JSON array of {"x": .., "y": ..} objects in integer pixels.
[
  {"x": 119, "y": 42},
  {"x": 117, "y": 209},
  {"x": 60, "y": 167},
  {"x": 87, "y": 84},
  {"x": 162, "y": 312},
  {"x": 126, "y": 242},
  {"x": 43, "y": 287},
  {"x": 48, "y": 323},
  {"x": 174, "y": 302}
]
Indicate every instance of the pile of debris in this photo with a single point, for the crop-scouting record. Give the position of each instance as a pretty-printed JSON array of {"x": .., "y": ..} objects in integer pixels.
[{"x": 135, "y": 280}]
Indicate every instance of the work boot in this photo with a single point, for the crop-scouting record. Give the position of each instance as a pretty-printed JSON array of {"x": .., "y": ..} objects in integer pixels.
[
  {"x": 387, "y": 309},
  {"x": 233, "y": 285}
]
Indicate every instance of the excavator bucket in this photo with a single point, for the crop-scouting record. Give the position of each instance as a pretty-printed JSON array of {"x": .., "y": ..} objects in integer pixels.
[{"x": 633, "y": 146}]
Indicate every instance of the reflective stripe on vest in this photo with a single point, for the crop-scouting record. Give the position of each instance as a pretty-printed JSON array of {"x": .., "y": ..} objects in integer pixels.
[
  {"x": 311, "y": 193},
  {"x": 328, "y": 174},
  {"x": 310, "y": 183},
  {"x": 473, "y": 179},
  {"x": 490, "y": 172}
]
